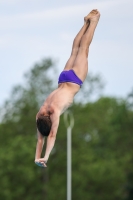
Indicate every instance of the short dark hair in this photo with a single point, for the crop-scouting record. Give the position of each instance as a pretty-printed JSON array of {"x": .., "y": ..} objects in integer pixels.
[{"x": 44, "y": 125}]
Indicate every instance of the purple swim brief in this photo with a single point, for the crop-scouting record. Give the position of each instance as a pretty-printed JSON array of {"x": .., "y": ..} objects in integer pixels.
[{"x": 69, "y": 76}]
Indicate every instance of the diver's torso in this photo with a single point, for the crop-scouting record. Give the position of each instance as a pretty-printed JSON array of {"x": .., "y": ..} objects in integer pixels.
[{"x": 61, "y": 98}]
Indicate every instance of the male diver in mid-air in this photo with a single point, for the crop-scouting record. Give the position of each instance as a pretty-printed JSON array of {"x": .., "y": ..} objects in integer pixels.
[{"x": 69, "y": 83}]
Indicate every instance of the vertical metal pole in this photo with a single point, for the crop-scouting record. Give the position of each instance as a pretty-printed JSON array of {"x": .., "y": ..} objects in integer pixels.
[
  {"x": 69, "y": 177},
  {"x": 69, "y": 126}
]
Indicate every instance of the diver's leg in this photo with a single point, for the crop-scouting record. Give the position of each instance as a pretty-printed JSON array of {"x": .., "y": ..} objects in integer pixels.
[
  {"x": 76, "y": 44},
  {"x": 81, "y": 62}
]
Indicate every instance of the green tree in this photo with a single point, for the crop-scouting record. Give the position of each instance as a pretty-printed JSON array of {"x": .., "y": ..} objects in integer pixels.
[
  {"x": 19, "y": 175},
  {"x": 101, "y": 143}
]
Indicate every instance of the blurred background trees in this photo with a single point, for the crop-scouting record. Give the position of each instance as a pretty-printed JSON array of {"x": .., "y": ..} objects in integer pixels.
[{"x": 102, "y": 143}]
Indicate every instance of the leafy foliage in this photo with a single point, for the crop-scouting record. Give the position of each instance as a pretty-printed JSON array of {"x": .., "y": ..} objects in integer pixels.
[{"x": 102, "y": 161}]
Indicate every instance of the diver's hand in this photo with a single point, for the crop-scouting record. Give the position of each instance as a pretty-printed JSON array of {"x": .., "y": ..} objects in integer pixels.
[{"x": 41, "y": 162}]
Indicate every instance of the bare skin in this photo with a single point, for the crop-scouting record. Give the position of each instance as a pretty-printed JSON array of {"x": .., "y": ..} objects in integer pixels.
[{"x": 61, "y": 98}]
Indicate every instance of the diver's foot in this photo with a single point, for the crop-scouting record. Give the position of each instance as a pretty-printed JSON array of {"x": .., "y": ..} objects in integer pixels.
[{"x": 94, "y": 16}]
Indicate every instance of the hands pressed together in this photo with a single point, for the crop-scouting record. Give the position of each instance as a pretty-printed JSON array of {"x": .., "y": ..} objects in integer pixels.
[{"x": 41, "y": 162}]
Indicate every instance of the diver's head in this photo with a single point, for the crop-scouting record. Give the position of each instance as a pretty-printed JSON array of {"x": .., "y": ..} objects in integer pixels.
[{"x": 44, "y": 124}]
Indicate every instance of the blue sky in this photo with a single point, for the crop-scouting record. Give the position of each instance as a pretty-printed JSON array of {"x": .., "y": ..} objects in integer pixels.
[{"x": 31, "y": 30}]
